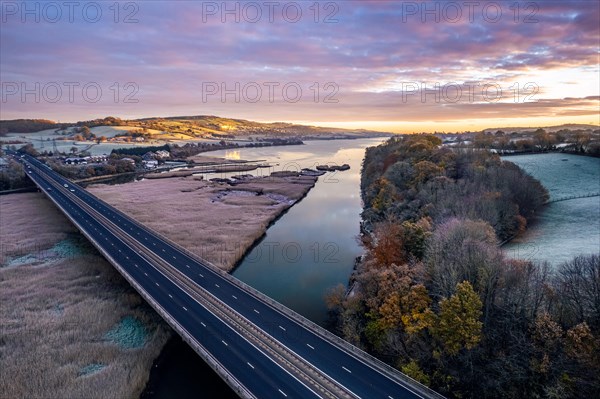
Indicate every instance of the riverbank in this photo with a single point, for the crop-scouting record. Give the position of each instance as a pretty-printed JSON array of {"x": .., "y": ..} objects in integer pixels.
[
  {"x": 215, "y": 221},
  {"x": 71, "y": 325}
]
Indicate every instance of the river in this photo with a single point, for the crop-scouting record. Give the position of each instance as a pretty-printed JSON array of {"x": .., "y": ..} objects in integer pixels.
[
  {"x": 563, "y": 229},
  {"x": 308, "y": 250},
  {"x": 313, "y": 246}
]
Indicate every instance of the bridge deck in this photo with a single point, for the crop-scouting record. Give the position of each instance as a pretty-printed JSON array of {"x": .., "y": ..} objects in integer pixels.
[{"x": 258, "y": 346}]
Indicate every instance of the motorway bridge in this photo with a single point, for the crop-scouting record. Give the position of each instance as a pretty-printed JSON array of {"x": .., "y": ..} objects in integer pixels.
[{"x": 259, "y": 347}]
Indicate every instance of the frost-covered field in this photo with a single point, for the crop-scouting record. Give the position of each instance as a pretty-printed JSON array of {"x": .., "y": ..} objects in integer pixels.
[
  {"x": 567, "y": 228},
  {"x": 70, "y": 325}
]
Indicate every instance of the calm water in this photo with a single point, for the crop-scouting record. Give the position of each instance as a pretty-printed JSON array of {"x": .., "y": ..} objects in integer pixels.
[
  {"x": 313, "y": 246},
  {"x": 567, "y": 228}
]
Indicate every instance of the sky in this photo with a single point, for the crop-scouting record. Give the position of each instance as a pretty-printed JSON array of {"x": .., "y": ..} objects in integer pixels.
[{"x": 398, "y": 66}]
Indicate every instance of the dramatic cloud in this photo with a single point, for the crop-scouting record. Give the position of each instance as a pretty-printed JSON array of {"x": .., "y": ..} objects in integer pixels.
[{"x": 344, "y": 62}]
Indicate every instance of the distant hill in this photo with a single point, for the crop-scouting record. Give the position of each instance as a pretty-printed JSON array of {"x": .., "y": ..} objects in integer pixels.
[
  {"x": 210, "y": 125},
  {"x": 197, "y": 126},
  {"x": 569, "y": 126},
  {"x": 26, "y": 125}
]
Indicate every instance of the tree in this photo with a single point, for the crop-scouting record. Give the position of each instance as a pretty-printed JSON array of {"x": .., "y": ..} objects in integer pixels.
[
  {"x": 413, "y": 370},
  {"x": 578, "y": 291},
  {"x": 389, "y": 248},
  {"x": 385, "y": 195},
  {"x": 458, "y": 324},
  {"x": 462, "y": 250}
]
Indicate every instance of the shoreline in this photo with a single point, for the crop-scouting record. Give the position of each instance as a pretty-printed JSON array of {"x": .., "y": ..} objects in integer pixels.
[
  {"x": 271, "y": 223},
  {"x": 216, "y": 221}
]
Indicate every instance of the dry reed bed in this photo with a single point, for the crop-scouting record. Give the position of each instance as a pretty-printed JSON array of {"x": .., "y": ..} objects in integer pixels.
[
  {"x": 54, "y": 314},
  {"x": 209, "y": 219}
]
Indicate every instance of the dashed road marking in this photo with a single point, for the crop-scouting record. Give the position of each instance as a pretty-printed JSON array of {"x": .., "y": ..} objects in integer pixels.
[
  {"x": 346, "y": 369},
  {"x": 310, "y": 346}
]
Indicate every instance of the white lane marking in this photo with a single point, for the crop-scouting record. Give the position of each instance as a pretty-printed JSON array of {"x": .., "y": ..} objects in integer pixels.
[
  {"x": 135, "y": 264},
  {"x": 157, "y": 285},
  {"x": 200, "y": 274},
  {"x": 188, "y": 266},
  {"x": 282, "y": 328},
  {"x": 390, "y": 397},
  {"x": 126, "y": 257},
  {"x": 162, "y": 249},
  {"x": 291, "y": 375},
  {"x": 170, "y": 296},
  {"x": 174, "y": 257},
  {"x": 224, "y": 343},
  {"x": 203, "y": 325},
  {"x": 283, "y": 393},
  {"x": 310, "y": 346},
  {"x": 217, "y": 285},
  {"x": 346, "y": 369},
  {"x": 146, "y": 274},
  {"x": 184, "y": 308},
  {"x": 250, "y": 365}
]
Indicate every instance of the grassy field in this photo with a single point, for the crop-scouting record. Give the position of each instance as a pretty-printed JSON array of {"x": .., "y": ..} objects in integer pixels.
[
  {"x": 70, "y": 325},
  {"x": 215, "y": 221}
]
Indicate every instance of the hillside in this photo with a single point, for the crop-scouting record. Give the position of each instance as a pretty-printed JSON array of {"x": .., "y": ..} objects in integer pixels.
[{"x": 191, "y": 128}]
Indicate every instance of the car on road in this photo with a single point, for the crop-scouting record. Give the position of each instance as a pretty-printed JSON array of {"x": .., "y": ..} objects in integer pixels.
[
  {"x": 72, "y": 190},
  {"x": 66, "y": 185}
]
